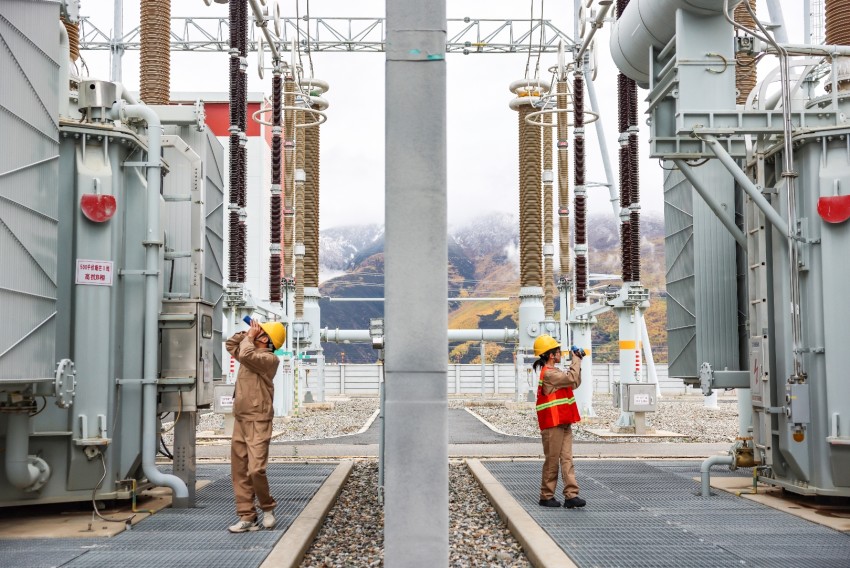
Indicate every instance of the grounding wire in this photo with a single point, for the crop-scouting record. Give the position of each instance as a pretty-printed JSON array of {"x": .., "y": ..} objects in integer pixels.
[{"x": 94, "y": 494}]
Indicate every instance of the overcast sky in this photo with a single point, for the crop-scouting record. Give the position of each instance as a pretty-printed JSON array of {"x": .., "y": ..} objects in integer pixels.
[{"x": 482, "y": 130}]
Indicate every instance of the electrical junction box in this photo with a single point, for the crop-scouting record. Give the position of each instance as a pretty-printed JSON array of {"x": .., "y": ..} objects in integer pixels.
[
  {"x": 639, "y": 397},
  {"x": 797, "y": 400},
  {"x": 223, "y": 399},
  {"x": 186, "y": 355}
]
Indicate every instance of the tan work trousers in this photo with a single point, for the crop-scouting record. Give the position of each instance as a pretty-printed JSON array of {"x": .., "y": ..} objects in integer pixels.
[
  {"x": 558, "y": 450},
  {"x": 249, "y": 455}
]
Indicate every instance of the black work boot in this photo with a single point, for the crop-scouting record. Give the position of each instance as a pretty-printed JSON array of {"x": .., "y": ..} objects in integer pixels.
[
  {"x": 574, "y": 502},
  {"x": 550, "y": 502}
]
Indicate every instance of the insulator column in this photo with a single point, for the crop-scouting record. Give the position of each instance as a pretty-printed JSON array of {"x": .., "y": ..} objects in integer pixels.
[
  {"x": 580, "y": 203},
  {"x": 300, "y": 179},
  {"x": 155, "y": 56},
  {"x": 563, "y": 180},
  {"x": 548, "y": 244},
  {"x": 276, "y": 213},
  {"x": 289, "y": 89},
  {"x": 629, "y": 187},
  {"x": 73, "y": 37},
  {"x": 745, "y": 68},
  {"x": 238, "y": 140},
  {"x": 530, "y": 246},
  {"x": 311, "y": 207},
  {"x": 837, "y": 14}
]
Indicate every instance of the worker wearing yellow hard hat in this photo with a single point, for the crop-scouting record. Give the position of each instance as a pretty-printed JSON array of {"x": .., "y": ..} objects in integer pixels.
[
  {"x": 253, "y": 413},
  {"x": 556, "y": 413}
]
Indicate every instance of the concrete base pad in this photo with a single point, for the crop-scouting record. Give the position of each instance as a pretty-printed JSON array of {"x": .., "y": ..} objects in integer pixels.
[
  {"x": 77, "y": 520},
  {"x": 649, "y": 434},
  {"x": 837, "y": 518}
]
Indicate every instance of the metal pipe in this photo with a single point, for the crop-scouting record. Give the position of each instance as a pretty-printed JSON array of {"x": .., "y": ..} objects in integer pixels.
[
  {"x": 705, "y": 471},
  {"x": 117, "y": 47},
  {"x": 64, "y": 69},
  {"x": 152, "y": 298},
  {"x": 774, "y": 9},
  {"x": 745, "y": 411},
  {"x": 261, "y": 22},
  {"x": 595, "y": 25},
  {"x": 20, "y": 469},
  {"x": 729, "y": 163},
  {"x": 712, "y": 203},
  {"x": 506, "y": 335},
  {"x": 603, "y": 147},
  {"x": 789, "y": 174},
  {"x": 647, "y": 353}
]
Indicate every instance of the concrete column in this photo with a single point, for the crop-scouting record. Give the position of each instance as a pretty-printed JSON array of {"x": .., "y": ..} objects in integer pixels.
[
  {"x": 415, "y": 449},
  {"x": 583, "y": 394}
]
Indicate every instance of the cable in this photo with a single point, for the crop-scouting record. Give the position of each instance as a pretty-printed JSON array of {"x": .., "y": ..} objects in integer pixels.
[
  {"x": 165, "y": 450},
  {"x": 44, "y": 400},
  {"x": 179, "y": 412},
  {"x": 94, "y": 493}
]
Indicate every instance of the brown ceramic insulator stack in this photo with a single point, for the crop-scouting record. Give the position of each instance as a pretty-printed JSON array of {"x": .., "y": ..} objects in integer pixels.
[
  {"x": 311, "y": 207},
  {"x": 548, "y": 269},
  {"x": 299, "y": 215},
  {"x": 563, "y": 181},
  {"x": 276, "y": 213},
  {"x": 73, "y": 38},
  {"x": 289, "y": 89},
  {"x": 745, "y": 69},
  {"x": 155, "y": 54},
  {"x": 530, "y": 245},
  {"x": 634, "y": 180},
  {"x": 580, "y": 199},
  {"x": 627, "y": 123},
  {"x": 837, "y": 15},
  {"x": 236, "y": 179}
]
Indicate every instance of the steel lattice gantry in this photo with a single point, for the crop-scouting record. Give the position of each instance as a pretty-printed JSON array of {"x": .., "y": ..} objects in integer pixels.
[{"x": 465, "y": 35}]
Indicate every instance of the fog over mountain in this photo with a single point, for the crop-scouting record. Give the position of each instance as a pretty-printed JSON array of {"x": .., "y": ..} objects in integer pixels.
[{"x": 483, "y": 262}]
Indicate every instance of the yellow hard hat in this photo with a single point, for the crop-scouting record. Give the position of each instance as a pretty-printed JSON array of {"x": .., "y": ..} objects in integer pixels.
[
  {"x": 276, "y": 332},
  {"x": 543, "y": 344}
]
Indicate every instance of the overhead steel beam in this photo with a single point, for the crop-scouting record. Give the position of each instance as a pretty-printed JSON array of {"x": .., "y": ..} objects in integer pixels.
[{"x": 465, "y": 35}]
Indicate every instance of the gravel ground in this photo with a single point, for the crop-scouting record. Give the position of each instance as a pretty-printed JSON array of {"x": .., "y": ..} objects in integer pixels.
[
  {"x": 346, "y": 417},
  {"x": 686, "y": 416},
  {"x": 353, "y": 531}
]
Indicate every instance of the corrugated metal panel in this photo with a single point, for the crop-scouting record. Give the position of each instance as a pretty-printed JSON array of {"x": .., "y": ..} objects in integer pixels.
[
  {"x": 29, "y": 56},
  {"x": 679, "y": 257},
  {"x": 175, "y": 219},
  {"x": 214, "y": 239},
  {"x": 702, "y": 311}
]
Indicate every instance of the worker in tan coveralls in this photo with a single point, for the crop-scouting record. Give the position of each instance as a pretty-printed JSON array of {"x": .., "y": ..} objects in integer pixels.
[{"x": 253, "y": 413}]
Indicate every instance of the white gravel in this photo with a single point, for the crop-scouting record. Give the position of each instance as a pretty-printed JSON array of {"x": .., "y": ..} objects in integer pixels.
[
  {"x": 686, "y": 416},
  {"x": 352, "y": 534},
  {"x": 346, "y": 417}
]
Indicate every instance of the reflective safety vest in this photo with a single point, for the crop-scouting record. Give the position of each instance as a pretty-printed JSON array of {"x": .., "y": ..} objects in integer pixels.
[{"x": 556, "y": 408}]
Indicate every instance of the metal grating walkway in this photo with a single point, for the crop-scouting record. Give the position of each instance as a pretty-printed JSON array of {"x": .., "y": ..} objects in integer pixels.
[
  {"x": 649, "y": 514},
  {"x": 182, "y": 538}
]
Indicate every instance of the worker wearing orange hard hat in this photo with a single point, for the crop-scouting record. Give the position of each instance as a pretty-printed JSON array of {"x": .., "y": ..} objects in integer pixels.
[
  {"x": 556, "y": 413},
  {"x": 253, "y": 413}
]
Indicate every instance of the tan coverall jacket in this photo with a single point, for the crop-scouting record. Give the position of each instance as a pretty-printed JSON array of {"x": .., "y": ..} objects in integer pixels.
[
  {"x": 252, "y": 430},
  {"x": 558, "y": 441}
]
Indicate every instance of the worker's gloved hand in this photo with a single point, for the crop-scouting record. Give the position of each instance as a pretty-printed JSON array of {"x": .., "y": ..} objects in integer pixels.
[{"x": 578, "y": 352}]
